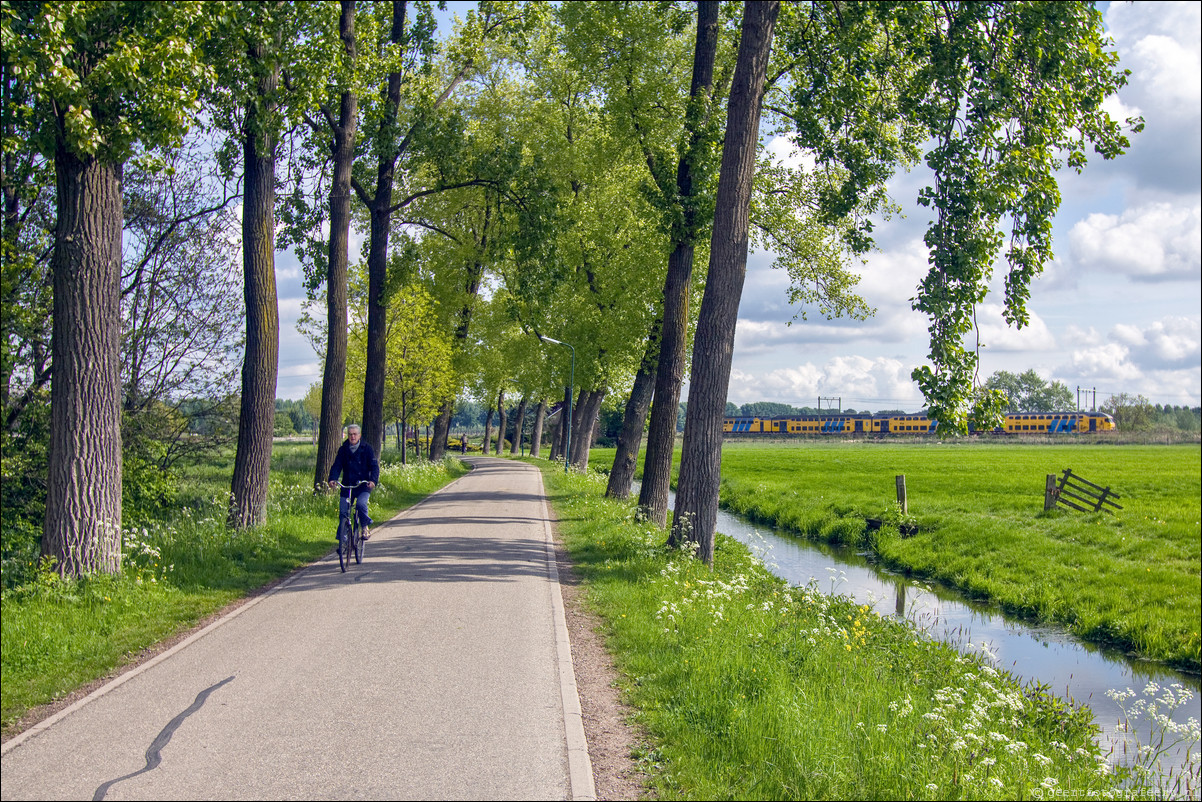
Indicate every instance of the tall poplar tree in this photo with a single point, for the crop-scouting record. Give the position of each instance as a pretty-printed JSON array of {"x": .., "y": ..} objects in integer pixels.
[
  {"x": 1006, "y": 93},
  {"x": 713, "y": 345},
  {"x": 101, "y": 81},
  {"x": 256, "y": 47}
]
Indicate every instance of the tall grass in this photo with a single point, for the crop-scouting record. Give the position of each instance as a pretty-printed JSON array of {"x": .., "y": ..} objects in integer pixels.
[
  {"x": 58, "y": 635},
  {"x": 1133, "y": 579},
  {"x": 753, "y": 690}
]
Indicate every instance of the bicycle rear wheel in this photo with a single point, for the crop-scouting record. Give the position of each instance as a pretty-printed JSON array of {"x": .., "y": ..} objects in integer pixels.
[{"x": 358, "y": 543}]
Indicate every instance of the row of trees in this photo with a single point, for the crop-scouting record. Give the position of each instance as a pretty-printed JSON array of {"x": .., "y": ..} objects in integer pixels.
[{"x": 547, "y": 171}]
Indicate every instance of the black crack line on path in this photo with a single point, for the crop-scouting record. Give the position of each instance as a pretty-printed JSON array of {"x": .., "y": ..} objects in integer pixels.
[{"x": 154, "y": 753}]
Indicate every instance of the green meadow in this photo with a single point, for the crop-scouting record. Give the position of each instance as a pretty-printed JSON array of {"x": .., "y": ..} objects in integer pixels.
[
  {"x": 748, "y": 689},
  {"x": 1131, "y": 579}
]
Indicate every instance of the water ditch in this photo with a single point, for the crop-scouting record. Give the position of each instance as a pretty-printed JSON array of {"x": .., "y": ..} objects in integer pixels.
[{"x": 1071, "y": 668}]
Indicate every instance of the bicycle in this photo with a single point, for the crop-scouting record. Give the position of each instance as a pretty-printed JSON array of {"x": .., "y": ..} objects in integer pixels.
[{"x": 351, "y": 542}]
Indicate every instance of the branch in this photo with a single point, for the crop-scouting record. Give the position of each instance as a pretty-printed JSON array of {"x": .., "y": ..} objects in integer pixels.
[
  {"x": 361, "y": 192},
  {"x": 446, "y": 93},
  {"x": 475, "y": 182},
  {"x": 162, "y": 238},
  {"x": 431, "y": 227},
  {"x": 39, "y": 381}
]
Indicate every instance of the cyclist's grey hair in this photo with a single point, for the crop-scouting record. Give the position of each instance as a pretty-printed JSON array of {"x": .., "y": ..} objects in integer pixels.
[{"x": 354, "y": 427}]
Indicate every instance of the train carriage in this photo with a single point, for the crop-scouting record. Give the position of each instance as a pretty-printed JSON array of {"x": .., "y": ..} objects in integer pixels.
[{"x": 916, "y": 425}]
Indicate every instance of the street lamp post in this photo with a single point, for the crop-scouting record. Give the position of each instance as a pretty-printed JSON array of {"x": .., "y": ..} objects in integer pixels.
[{"x": 567, "y": 452}]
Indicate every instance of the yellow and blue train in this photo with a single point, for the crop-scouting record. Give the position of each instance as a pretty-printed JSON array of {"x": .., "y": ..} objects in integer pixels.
[{"x": 1016, "y": 423}]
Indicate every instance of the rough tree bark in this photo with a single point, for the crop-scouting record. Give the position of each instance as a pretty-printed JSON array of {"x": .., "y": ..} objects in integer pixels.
[
  {"x": 82, "y": 528},
  {"x": 572, "y": 448},
  {"x": 634, "y": 420},
  {"x": 661, "y": 435},
  {"x": 589, "y": 416},
  {"x": 713, "y": 347},
  {"x": 519, "y": 423},
  {"x": 501, "y": 423},
  {"x": 334, "y": 377},
  {"x": 475, "y": 277},
  {"x": 536, "y": 432},
  {"x": 557, "y": 435},
  {"x": 256, "y": 420}
]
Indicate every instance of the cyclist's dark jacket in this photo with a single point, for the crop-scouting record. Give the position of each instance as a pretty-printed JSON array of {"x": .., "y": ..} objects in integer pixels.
[{"x": 358, "y": 467}]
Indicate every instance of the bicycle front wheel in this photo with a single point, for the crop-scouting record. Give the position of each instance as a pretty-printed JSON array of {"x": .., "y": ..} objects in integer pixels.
[{"x": 344, "y": 548}]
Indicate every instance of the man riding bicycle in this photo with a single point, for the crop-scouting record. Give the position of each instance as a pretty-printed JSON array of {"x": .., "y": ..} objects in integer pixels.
[{"x": 357, "y": 463}]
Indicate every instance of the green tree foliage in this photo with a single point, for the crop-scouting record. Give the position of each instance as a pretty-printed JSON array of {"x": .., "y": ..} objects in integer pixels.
[
  {"x": 1028, "y": 392},
  {"x": 1131, "y": 413},
  {"x": 1011, "y": 92},
  {"x": 1181, "y": 418},
  {"x": 420, "y": 375},
  {"x": 767, "y": 409}
]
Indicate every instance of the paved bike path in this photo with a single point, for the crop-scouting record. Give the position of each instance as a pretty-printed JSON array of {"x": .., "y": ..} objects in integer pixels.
[{"x": 438, "y": 669}]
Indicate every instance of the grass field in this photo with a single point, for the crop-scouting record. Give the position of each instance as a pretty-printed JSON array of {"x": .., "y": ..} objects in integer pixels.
[
  {"x": 1131, "y": 579},
  {"x": 748, "y": 689},
  {"x": 59, "y": 635}
]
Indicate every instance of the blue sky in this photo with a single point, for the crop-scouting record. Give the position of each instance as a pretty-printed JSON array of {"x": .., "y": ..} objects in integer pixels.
[{"x": 1118, "y": 310}]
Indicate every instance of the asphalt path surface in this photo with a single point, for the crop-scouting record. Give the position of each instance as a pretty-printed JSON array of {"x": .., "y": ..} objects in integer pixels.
[{"x": 437, "y": 669}]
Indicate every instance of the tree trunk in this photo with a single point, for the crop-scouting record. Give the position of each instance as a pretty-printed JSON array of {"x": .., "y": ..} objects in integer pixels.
[
  {"x": 442, "y": 429},
  {"x": 82, "y": 528},
  {"x": 487, "y": 444},
  {"x": 574, "y": 432},
  {"x": 256, "y": 420},
  {"x": 519, "y": 423},
  {"x": 377, "y": 253},
  {"x": 697, "y": 491},
  {"x": 501, "y": 423},
  {"x": 661, "y": 436},
  {"x": 590, "y": 415},
  {"x": 557, "y": 435},
  {"x": 334, "y": 375},
  {"x": 536, "y": 433},
  {"x": 633, "y": 421}
]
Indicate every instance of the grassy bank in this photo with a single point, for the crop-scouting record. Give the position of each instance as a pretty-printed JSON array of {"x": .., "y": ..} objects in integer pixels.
[
  {"x": 1131, "y": 579},
  {"x": 752, "y": 690},
  {"x": 59, "y": 635}
]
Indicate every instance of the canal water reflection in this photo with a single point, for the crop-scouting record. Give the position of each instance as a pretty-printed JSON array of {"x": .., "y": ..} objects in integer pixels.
[{"x": 1070, "y": 668}]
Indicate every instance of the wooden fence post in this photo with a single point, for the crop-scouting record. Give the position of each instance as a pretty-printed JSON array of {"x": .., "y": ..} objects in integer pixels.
[
  {"x": 901, "y": 493},
  {"x": 1050, "y": 492}
]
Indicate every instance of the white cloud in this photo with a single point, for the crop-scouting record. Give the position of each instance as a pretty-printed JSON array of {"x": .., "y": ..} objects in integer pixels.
[
  {"x": 290, "y": 310},
  {"x": 998, "y": 335},
  {"x": 1161, "y": 361},
  {"x": 1169, "y": 343},
  {"x": 861, "y": 383},
  {"x": 1107, "y": 362},
  {"x": 1160, "y": 43},
  {"x": 1171, "y": 69},
  {"x": 1154, "y": 242}
]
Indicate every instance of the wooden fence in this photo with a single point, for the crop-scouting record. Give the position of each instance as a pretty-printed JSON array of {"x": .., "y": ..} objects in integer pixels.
[{"x": 1070, "y": 489}]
